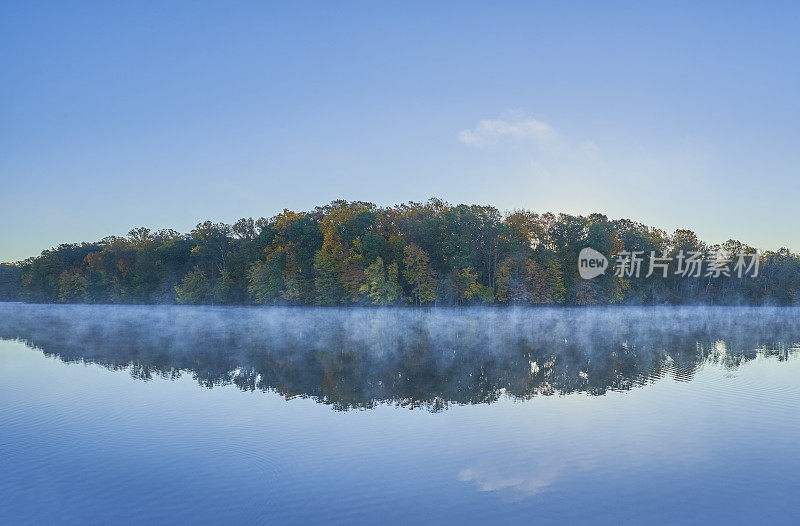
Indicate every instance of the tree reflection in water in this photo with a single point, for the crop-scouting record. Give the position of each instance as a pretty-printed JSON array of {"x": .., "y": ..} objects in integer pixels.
[{"x": 357, "y": 358}]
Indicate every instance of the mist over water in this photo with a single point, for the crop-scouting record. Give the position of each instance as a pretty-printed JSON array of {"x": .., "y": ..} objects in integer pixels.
[
  {"x": 431, "y": 358},
  {"x": 166, "y": 414}
]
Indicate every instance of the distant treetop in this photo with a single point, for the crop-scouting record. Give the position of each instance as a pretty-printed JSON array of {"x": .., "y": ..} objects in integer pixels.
[{"x": 356, "y": 253}]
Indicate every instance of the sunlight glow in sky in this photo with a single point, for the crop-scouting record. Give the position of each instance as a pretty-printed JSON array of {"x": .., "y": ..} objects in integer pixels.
[{"x": 166, "y": 114}]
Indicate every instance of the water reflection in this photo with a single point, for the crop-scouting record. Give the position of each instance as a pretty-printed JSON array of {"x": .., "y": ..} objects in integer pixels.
[{"x": 357, "y": 358}]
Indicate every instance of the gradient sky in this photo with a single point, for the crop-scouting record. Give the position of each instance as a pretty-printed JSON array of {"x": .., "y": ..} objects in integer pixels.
[{"x": 164, "y": 114}]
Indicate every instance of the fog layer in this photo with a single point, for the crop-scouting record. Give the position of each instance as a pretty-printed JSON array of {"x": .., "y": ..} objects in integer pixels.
[{"x": 431, "y": 358}]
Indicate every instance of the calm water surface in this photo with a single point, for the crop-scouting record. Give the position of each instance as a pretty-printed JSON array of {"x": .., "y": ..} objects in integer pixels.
[{"x": 298, "y": 416}]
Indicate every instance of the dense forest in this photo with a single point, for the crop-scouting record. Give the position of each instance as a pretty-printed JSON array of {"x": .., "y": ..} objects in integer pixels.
[{"x": 355, "y": 253}]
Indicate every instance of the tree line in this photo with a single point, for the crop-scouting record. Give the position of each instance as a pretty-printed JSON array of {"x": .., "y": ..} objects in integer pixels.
[{"x": 356, "y": 253}]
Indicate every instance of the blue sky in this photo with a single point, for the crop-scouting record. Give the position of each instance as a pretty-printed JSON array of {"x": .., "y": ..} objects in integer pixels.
[{"x": 164, "y": 114}]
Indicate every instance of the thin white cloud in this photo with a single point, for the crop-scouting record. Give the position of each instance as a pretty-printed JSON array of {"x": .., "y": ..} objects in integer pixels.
[{"x": 514, "y": 126}]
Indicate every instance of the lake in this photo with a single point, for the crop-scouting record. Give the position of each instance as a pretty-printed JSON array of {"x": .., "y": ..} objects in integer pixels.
[{"x": 160, "y": 415}]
